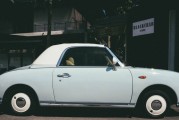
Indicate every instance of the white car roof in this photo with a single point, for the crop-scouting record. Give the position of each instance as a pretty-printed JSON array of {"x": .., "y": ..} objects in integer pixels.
[{"x": 51, "y": 55}]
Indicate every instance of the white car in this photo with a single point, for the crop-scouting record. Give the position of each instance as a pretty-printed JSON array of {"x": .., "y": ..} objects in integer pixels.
[{"x": 87, "y": 75}]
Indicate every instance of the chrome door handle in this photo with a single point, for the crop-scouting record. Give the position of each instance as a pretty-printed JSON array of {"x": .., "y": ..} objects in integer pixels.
[{"x": 64, "y": 75}]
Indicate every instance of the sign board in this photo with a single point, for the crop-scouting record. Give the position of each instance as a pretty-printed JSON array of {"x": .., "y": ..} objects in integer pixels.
[{"x": 143, "y": 27}]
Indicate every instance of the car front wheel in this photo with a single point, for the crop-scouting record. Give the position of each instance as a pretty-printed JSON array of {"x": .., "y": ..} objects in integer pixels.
[{"x": 156, "y": 104}]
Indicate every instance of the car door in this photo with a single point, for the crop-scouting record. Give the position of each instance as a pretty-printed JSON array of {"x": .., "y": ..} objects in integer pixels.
[{"x": 90, "y": 79}]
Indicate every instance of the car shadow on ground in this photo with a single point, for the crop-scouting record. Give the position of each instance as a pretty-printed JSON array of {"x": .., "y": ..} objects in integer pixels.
[
  {"x": 83, "y": 112},
  {"x": 93, "y": 112}
]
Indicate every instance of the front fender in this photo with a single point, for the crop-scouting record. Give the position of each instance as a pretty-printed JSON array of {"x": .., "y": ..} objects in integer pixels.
[{"x": 153, "y": 77}]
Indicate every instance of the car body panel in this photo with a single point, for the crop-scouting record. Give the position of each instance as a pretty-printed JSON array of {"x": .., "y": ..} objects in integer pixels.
[
  {"x": 93, "y": 85},
  {"x": 40, "y": 80},
  {"x": 87, "y": 85},
  {"x": 153, "y": 77}
]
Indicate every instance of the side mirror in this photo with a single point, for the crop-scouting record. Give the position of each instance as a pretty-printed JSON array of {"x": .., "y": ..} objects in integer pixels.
[
  {"x": 114, "y": 60},
  {"x": 112, "y": 63}
]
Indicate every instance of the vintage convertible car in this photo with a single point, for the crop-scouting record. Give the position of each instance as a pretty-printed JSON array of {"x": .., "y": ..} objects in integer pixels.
[{"x": 87, "y": 75}]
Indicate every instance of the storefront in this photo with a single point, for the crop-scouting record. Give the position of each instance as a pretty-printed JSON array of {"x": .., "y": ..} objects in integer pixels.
[{"x": 152, "y": 35}]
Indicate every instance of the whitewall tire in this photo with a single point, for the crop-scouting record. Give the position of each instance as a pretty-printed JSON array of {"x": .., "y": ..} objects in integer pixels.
[
  {"x": 21, "y": 103},
  {"x": 156, "y": 104}
]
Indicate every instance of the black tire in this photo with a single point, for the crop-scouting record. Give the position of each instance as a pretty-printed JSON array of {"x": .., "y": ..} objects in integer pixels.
[
  {"x": 20, "y": 102},
  {"x": 155, "y": 104}
]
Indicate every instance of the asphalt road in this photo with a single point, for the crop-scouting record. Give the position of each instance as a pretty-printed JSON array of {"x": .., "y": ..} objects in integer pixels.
[{"x": 47, "y": 113}]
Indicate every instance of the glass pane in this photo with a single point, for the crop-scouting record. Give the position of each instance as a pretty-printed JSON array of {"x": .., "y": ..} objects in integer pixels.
[
  {"x": 73, "y": 57},
  {"x": 86, "y": 56}
]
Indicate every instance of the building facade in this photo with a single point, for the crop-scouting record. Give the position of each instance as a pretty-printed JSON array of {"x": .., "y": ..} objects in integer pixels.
[
  {"x": 153, "y": 35},
  {"x": 23, "y": 30}
]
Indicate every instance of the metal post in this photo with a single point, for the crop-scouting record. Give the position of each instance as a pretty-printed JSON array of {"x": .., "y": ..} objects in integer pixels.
[
  {"x": 109, "y": 41},
  {"x": 125, "y": 43},
  {"x": 172, "y": 33},
  {"x": 85, "y": 37},
  {"x": 49, "y": 22},
  {"x": 21, "y": 57},
  {"x": 8, "y": 57},
  {"x": 85, "y": 30}
]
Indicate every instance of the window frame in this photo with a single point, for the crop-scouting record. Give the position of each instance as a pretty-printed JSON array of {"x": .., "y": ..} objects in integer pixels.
[{"x": 64, "y": 52}]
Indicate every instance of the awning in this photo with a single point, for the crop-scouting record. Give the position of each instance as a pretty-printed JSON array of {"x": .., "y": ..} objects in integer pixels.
[{"x": 39, "y": 33}]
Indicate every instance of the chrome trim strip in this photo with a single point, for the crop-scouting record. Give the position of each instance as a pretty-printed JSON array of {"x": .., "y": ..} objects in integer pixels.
[
  {"x": 87, "y": 67},
  {"x": 71, "y": 104},
  {"x": 62, "y": 55}
]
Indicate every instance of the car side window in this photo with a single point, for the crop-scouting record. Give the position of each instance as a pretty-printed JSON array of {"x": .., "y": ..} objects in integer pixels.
[
  {"x": 86, "y": 56},
  {"x": 73, "y": 57}
]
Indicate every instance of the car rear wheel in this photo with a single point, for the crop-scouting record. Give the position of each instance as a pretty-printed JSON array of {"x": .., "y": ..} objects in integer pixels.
[
  {"x": 20, "y": 103},
  {"x": 156, "y": 104}
]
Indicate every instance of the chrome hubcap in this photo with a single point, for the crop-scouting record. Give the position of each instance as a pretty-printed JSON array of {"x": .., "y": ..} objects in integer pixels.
[
  {"x": 156, "y": 105},
  {"x": 20, "y": 102}
]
